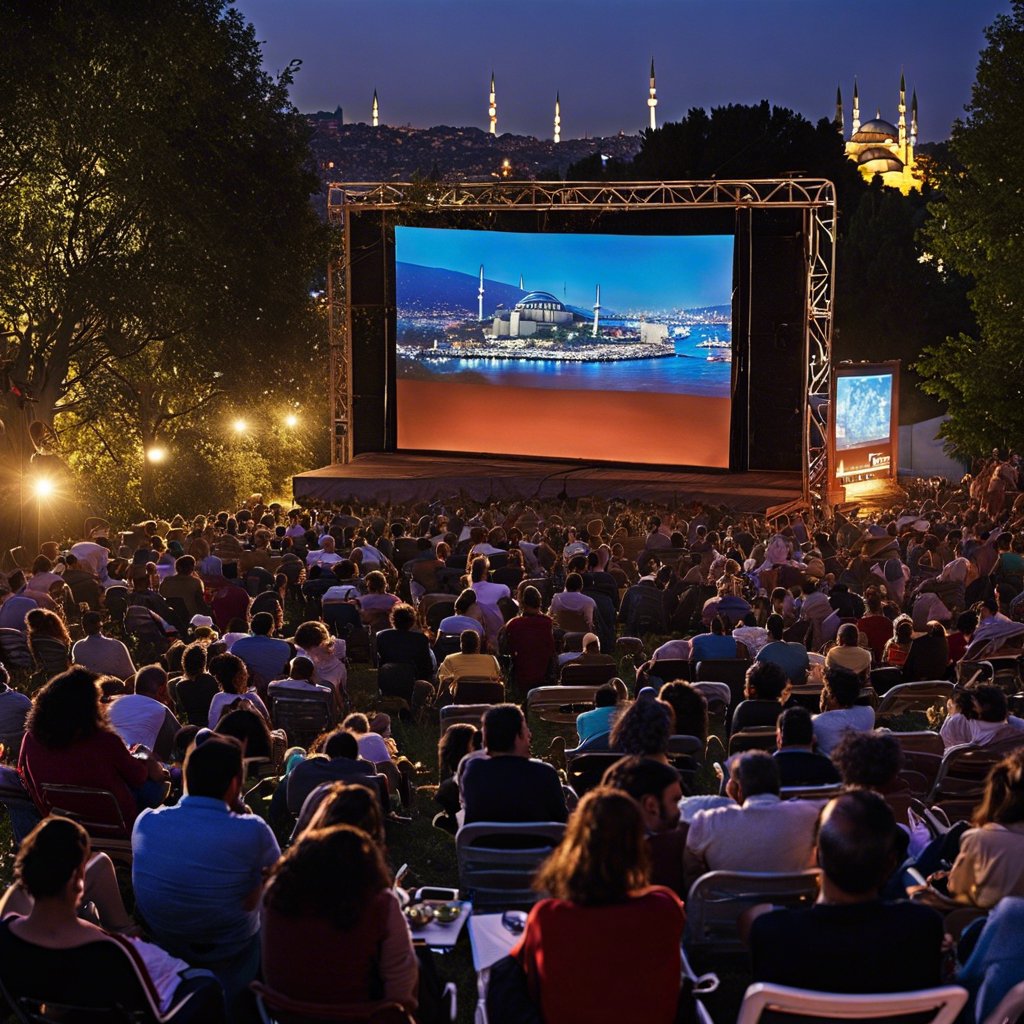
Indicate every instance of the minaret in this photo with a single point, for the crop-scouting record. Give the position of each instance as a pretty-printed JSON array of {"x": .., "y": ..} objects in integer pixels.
[
  {"x": 652, "y": 99},
  {"x": 558, "y": 119},
  {"x": 375, "y": 112},
  {"x": 838, "y": 119},
  {"x": 913, "y": 120},
  {"x": 521, "y": 288},
  {"x": 902, "y": 123},
  {"x": 597, "y": 309},
  {"x": 480, "y": 294},
  {"x": 855, "y": 127},
  {"x": 492, "y": 111}
]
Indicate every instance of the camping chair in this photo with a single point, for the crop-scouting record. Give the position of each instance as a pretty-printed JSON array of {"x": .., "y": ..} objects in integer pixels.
[
  {"x": 50, "y": 655},
  {"x": 1011, "y": 1007},
  {"x": 571, "y": 621},
  {"x": 97, "y": 811},
  {"x": 397, "y": 679},
  {"x": 455, "y": 714},
  {"x": 493, "y": 875},
  {"x": 921, "y": 696},
  {"x": 810, "y": 792},
  {"x": 752, "y": 739},
  {"x": 669, "y": 670},
  {"x": 717, "y": 899},
  {"x": 142, "y": 625},
  {"x": 965, "y": 768},
  {"x": 435, "y": 607},
  {"x": 277, "y": 1008},
  {"x": 585, "y": 675},
  {"x": 585, "y": 771},
  {"x": 445, "y": 644},
  {"x": 14, "y": 652},
  {"x": 302, "y": 718},
  {"x": 763, "y": 1002},
  {"x": 560, "y": 704},
  {"x": 883, "y": 679},
  {"x": 340, "y": 617},
  {"x": 686, "y": 754},
  {"x": 732, "y": 671},
  {"x": 478, "y": 690}
]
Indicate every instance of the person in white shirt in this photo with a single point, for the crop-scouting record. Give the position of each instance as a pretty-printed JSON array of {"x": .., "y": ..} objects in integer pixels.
[
  {"x": 325, "y": 554},
  {"x": 980, "y": 716},
  {"x": 101, "y": 654},
  {"x": 840, "y": 711},
  {"x": 573, "y": 546},
  {"x": 143, "y": 717},
  {"x": 750, "y": 634},
  {"x": 468, "y": 615},
  {"x": 299, "y": 680},
  {"x": 573, "y": 600},
  {"x": 93, "y": 557},
  {"x": 487, "y": 593}
]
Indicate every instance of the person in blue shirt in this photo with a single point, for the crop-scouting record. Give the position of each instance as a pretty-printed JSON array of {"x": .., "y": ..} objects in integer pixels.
[
  {"x": 598, "y": 722},
  {"x": 716, "y": 644},
  {"x": 265, "y": 656},
  {"x": 790, "y": 657},
  {"x": 197, "y": 868}
]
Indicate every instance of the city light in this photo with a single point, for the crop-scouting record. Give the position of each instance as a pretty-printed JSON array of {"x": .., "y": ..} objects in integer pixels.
[
  {"x": 240, "y": 426},
  {"x": 156, "y": 454},
  {"x": 291, "y": 420},
  {"x": 44, "y": 487}
]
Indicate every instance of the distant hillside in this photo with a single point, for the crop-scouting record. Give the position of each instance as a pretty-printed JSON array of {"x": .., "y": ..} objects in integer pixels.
[{"x": 423, "y": 288}]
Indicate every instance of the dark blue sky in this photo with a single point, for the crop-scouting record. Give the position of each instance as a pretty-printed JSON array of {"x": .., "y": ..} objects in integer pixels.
[
  {"x": 431, "y": 60},
  {"x": 635, "y": 272}
]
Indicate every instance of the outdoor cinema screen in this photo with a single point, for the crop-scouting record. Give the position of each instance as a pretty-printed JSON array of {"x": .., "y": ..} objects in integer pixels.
[
  {"x": 863, "y": 410},
  {"x": 600, "y": 347}
]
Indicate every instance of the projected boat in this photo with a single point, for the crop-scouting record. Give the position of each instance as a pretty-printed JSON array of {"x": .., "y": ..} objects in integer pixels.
[{"x": 714, "y": 342}]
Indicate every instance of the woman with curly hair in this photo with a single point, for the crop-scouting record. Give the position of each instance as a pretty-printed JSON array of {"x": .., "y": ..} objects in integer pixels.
[
  {"x": 598, "y": 881},
  {"x": 68, "y": 741},
  {"x": 327, "y": 653},
  {"x": 333, "y": 932},
  {"x": 643, "y": 728}
]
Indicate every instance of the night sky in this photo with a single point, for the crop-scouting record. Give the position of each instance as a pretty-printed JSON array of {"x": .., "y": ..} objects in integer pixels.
[{"x": 431, "y": 60}]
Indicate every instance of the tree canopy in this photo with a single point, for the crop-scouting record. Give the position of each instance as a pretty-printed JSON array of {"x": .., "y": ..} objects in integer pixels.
[
  {"x": 157, "y": 243},
  {"x": 975, "y": 229}
]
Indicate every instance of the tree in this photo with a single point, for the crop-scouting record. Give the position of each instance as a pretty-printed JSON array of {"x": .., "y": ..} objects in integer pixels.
[
  {"x": 976, "y": 229},
  {"x": 155, "y": 224}
]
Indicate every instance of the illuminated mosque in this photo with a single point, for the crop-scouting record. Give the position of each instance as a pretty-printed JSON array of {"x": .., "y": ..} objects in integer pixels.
[
  {"x": 880, "y": 147},
  {"x": 533, "y": 312}
]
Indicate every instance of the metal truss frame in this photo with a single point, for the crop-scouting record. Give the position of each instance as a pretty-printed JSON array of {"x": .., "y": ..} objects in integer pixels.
[{"x": 814, "y": 196}]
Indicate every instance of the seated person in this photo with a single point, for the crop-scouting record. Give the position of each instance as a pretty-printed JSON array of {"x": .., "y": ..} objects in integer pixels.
[
  {"x": 873, "y": 760},
  {"x": 990, "y": 864},
  {"x": 329, "y": 901},
  {"x": 300, "y": 683},
  {"x": 53, "y": 955},
  {"x": 469, "y": 662},
  {"x": 928, "y": 657},
  {"x": 689, "y": 709},
  {"x": 643, "y": 728},
  {"x": 790, "y": 657},
  {"x": 507, "y": 785},
  {"x": 716, "y": 644},
  {"x": 896, "y": 947},
  {"x": 232, "y": 677},
  {"x": 340, "y": 762},
  {"x": 530, "y": 641},
  {"x": 840, "y": 711},
  {"x": 143, "y": 718},
  {"x": 759, "y": 831},
  {"x": 404, "y": 645},
  {"x": 598, "y": 722},
  {"x": 980, "y": 715},
  {"x": 467, "y": 616},
  {"x": 598, "y": 879},
  {"x": 875, "y": 625},
  {"x": 798, "y": 762},
  {"x": 848, "y": 654},
  {"x": 195, "y": 689},
  {"x": 656, "y": 788},
  {"x": 376, "y": 604},
  {"x": 762, "y": 691},
  {"x": 573, "y": 604},
  {"x": 897, "y": 647}
]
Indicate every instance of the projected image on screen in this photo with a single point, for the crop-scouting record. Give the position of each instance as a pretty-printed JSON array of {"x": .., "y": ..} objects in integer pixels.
[
  {"x": 633, "y": 333},
  {"x": 863, "y": 410}
]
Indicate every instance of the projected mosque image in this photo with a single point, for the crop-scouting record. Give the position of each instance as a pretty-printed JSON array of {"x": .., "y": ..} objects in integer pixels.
[{"x": 668, "y": 331}]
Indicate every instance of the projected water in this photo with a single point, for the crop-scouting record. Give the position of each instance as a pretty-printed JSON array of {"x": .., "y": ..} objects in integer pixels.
[{"x": 863, "y": 410}]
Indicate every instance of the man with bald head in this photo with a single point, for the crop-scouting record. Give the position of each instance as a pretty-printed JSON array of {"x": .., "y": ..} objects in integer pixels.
[{"x": 851, "y": 941}]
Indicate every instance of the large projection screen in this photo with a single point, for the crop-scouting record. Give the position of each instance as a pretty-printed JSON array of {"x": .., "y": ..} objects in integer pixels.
[{"x": 596, "y": 347}]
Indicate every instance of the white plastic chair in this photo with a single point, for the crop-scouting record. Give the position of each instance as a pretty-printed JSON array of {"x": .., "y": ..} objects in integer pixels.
[{"x": 945, "y": 1002}]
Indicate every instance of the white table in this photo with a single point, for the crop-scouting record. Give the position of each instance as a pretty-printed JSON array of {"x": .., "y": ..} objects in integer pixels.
[{"x": 490, "y": 940}]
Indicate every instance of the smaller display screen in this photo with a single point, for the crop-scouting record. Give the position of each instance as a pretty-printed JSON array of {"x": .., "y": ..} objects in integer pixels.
[{"x": 863, "y": 410}]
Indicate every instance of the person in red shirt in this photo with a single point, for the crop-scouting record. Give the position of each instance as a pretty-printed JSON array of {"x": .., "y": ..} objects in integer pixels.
[
  {"x": 68, "y": 741},
  {"x": 530, "y": 640},
  {"x": 958, "y": 640},
  {"x": 598, "y": 880},
  {"x": 874, "y": 624}
]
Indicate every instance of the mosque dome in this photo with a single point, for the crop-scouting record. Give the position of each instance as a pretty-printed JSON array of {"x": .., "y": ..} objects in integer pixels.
[
  {"x": 876, "y": 130},
  {"x": 879, "y": 160},
  {"x": 539, "y": 300}
]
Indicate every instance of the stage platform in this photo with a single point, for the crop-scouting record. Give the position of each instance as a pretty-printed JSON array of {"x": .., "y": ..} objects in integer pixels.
[{"x": 398, "y": 478}]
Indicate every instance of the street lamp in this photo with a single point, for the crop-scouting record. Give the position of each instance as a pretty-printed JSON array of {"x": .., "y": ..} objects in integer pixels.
[
  {"x": 156, "y": 454},
  {"x": 291, "y": 420},
  {"x": 240, "y": 426},
  {"x": 44, "y": 487}
]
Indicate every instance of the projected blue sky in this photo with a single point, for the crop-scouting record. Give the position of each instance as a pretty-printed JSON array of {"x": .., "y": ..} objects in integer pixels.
[{"x": 650, "y": 271}]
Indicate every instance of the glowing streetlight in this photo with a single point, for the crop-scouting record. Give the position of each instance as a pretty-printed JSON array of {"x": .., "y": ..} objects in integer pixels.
[
  {"x": 44, "y": 487},
  {"x": 291, "y": 420},
  {"x": 240, "y": 426},
  {"x": 156, "y": 454}
]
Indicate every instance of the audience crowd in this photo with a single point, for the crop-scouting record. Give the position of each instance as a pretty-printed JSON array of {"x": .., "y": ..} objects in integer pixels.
[{"x": 790, "y": 696}]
